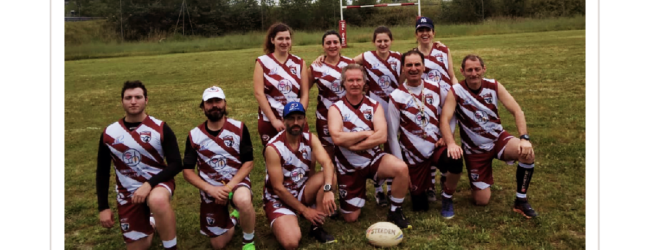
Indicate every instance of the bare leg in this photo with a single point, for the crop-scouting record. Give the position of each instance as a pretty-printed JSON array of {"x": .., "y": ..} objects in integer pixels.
[
  {"x": 221, "y": 241},
  {"x": 160, "y": 204},
  {"x": 287, "y": 231},
  {"x": 140, "y": 244}
]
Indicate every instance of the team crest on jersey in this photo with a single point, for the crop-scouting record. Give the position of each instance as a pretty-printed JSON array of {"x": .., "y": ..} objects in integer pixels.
[
  {"x": 288, "y": 161},
  {"x": 336, "y": 87},
  {"x": 393, "y": 65},
  {"x": 119, "y": 140},
  {"x": 293, "y": 69},
  {"x": 284, "y": 86},
  {"x": 384, "y": 81},
  {"x": 205, "y": 144},
  {"x": 474, "y": 176},
  {"x": 265, "y": 138},
  {"x": 326, "y": 72},
  {"x": 217, "y": 162},
  {"x": 326, "y": 131},
  {"x": 145, "y": 136},
  {"x": 439, "y": 58},
  {"x": 131, "y": 157},
  {"x": 487, "y": 97},
  {"x": 274, "y": 71},
  {"x": 297, "y": 174},
  {"x": 429, "y": 99},
  {"x": 434, "y": 75},
  {"x": 367, "y": 113},
  {"x": 376, "y": 66},
  {"x": 209, "y": 220},
  {"x": 125, "y": 226},
  {"x": 481, "y": 117},
  {"x": 305, "y": 154},
  {"x": 228, "y": 140}
]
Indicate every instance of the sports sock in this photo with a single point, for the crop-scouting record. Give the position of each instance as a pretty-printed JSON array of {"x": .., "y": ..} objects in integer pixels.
[
  {"x": 378, "y": 188},
  {"x": 170, "y": 244},
  {"x": 395, "y": 203},
  {"x": 524, "y": 174},
  {"x": 248, "y": 237},
  {"x": 433, "y": 174},
  {"x": 389, "y": 183}
]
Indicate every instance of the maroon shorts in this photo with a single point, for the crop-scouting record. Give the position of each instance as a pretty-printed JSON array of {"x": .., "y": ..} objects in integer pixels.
[
  {"x": 479, "y": 166},
  {"x": 134, "y": 218},
  {"x": 420, "y": 173},
  {"x": 267, "y": 131},
  {"x": 352, "y": 185},
  {"x": 215, "y": 218},
  {"x": 276, "y": 208}
]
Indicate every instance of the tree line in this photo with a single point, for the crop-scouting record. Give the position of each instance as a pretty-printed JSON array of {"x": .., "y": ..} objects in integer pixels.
[{"x": 140, "y": 18}]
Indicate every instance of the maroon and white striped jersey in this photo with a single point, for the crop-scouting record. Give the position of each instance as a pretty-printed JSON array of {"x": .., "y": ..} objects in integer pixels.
[
  {"x": 281, "y": 82},
  {"x": 328, "y": 80},
  {"x": 419, "y": 132},
  {"x": 218, "y": 157},
  {"x": 295, "y": 165},
  {"x": 478, "y": 116},
  {"x": 437, "y": 70},
  {"x": 355, "y": 120},
  {"x": 383, "y": 75},
  {"x": 137, "y": 155}
]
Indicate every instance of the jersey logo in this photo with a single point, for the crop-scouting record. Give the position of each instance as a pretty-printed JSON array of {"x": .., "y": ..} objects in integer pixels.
[
  {"x": 342, "y": 192},
  {"x": 228, "y": 140},
  {"x": 429, "y": 99},
  {"x": 125, "y": 226},
  {"x": 434, "y": 75},
  {"x": 119, "y": 140},
  {"x": 145, "y": 136},
  {"x": 393, "y": 65},
  {"x": 274, "y": 71},
  {"x": 336, "y": 87},
  {"x": 131, "y": 157},
  {"x": 217, "y": 162},
  {"x": 305, "y": 154},
  {"x": 288, "y": 161},
  {"x": 474, "y": 176},
  {"x": 326, "y": 72},
  {"x": 326, "y": 131},
  {"x": 346, "y": 118},
  {"x": 384, "y": 81},
  {"x": 367, "y": 113},
  {"x": 284, "y": 86},
  {"x": 439, "y": 57},
  {"x": 297, "y": 174},
  {"x": 376, "y": 66},
  {"x": 481, "y": 117},
  {"x": 422, "y": 118},
  {"x": 209, "y": 220},
  {"x": 265, "y": 138},
  {"x": 294, "y": 69},
  {"x": 487, "y": 97}
]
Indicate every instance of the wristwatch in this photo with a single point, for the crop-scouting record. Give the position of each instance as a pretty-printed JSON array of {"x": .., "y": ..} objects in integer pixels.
[
  {"x": 327, "y": 188},
  {"x": 525, "y": 137}
]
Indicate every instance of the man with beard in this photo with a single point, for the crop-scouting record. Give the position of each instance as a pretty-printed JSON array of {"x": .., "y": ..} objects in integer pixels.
[
  {"x": 358, "y": 127},
  {"x": 292, "y": 185},
  {"x": 474, "y": 102},
  {"x": 223, "y": 150},
  {"x": 138, "y": 145}
]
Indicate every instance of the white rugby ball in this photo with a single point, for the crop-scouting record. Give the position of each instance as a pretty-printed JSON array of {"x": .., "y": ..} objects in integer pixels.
[{"x": 384, "y": 234}]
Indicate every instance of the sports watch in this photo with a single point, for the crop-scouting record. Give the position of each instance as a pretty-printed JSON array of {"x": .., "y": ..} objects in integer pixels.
[
  {"x": 327, "y": 188},
  {"x": 525, "y": 137}
]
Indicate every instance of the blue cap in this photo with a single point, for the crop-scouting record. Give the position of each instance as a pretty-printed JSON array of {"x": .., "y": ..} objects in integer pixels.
[
  {"x": 293, "y": 107},
  {"x": 424, "y": 22}
]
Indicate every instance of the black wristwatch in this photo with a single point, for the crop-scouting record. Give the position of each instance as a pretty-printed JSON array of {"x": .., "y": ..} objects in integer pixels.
[
  {"x": 327, "y": 188},
  {"x": 525, "y": 137}
]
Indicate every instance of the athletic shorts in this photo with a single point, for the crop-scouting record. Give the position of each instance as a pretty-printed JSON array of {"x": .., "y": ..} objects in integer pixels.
[
  {"x": 267, "y": 131},
  {"x": 134, "y": 218},
  {"x": 215, "y": 218},
  {"x": 277, "y": 208},
  {"x": 352, "y": 185},
  {"x": 479, "y": 166},
  {"x": 420, "y": 173}
]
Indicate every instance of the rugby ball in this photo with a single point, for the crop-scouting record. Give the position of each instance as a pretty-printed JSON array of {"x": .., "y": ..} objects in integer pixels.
[{"x": 384, "y": 234}]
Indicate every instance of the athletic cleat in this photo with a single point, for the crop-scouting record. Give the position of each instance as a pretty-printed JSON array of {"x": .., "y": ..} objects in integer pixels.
[
  {"x": 431, "y": 193},
  {"x": 523, "y": 207},
  {"x": 381, "y": 200},
  {"x": 249, "y": 246},
  {"x": 321, "y": 235},
  {"x": 447, "y": 210},
  {"x": 399, "y": 219}
]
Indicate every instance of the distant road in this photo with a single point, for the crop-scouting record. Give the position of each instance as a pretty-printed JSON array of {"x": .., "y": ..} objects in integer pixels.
[{"x": 77, "y": 19}]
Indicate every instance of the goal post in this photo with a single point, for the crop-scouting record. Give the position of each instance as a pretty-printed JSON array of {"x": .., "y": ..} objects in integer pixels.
[{"x": 343, "y": 27}]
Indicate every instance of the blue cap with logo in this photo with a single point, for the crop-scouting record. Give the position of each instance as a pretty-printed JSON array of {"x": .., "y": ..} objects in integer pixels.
[
  {"x": 293, "y": 107},
  {"x": 424, "y": 22}
]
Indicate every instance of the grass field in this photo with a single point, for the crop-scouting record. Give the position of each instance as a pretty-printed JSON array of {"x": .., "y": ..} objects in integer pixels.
[{"x": 544, "y": 71}]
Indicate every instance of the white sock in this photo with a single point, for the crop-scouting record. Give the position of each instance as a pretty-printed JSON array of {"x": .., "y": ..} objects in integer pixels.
[
  {"x": 393, "y": 201},
  {"x": 169, "y": 243},
  {"x": 520, "y": 195}
]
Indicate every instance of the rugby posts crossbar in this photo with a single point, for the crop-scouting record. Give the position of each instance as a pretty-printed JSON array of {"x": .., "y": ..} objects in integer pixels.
[{"x": 377, "y": 5}]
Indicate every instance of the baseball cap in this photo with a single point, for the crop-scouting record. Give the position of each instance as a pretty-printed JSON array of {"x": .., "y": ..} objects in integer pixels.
[
  {"x": 293, "y": 107},
  {"x": 213, "y": 92},
  {"x": 424, "y": 22}
]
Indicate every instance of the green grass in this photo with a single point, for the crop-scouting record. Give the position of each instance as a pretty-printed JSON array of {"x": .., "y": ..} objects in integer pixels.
[
  {"x": 86, "y": 40},
  {"x": 544, "y": 71}
]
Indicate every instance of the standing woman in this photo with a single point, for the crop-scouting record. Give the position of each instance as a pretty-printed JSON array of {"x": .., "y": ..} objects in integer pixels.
[
  {"x": 277, "y": 81},
  {"x": 327, "y": 76},
  {"x": 439, "y": 68}
]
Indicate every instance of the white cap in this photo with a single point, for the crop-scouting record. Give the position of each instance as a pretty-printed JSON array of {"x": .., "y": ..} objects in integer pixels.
[{"x": 213, "y": 92}]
